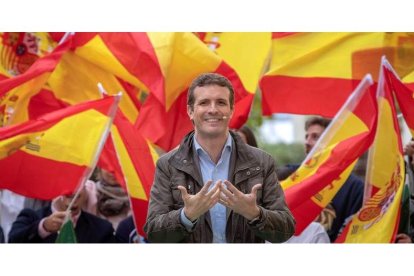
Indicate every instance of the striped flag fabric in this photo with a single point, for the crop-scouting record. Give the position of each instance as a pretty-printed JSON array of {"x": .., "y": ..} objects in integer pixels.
[
  {"x": 378, "y": 219},
  {"x": 247, "y": 53},
  {"x": 314, "y": 73},
  {"x": 328, "y": 165},
  {"x": 182, "y": 57},
  {"x": 16, "y": 91},
  {"x": 403, "y": 94},
  {"x": 19, "y": 50},
  {"x": 50, "y": 156},
  {"x": 132, "y": 159}
]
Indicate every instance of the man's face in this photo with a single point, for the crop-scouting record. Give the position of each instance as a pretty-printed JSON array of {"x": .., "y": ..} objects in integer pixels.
[
  {"x": 312, "y": 135},
  {"x": 211, "y": 112}
]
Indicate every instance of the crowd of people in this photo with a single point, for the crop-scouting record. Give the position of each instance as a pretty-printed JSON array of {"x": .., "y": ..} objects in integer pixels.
[{"x": 216, "y": 186}]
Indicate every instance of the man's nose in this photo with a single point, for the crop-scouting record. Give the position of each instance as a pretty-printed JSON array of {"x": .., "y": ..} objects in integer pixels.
[{"x": 212, "y": 107}]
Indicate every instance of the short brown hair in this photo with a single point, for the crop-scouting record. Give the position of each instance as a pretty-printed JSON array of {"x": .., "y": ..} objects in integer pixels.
[
  {"x": 323, "y": 122},
  {"x": 207, "y": 79}
]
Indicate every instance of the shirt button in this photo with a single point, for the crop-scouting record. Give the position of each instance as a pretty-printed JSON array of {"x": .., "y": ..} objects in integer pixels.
[
  {"x": 258, "y": 169},
  {"x": 248, "y": 173},
  {"x": 185, "y": 161}
]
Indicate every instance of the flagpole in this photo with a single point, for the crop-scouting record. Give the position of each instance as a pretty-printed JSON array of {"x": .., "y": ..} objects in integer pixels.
[
  {"x": 88, "y": 172},
  {"x": 65, "y": 37},
  {"x": 350, "y": 103}
]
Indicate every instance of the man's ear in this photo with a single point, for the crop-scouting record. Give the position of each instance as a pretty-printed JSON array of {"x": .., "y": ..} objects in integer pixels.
[{"x": 190, "y": 112}]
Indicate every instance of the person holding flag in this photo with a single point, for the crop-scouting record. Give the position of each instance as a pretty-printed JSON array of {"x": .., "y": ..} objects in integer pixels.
[
  {"x": 43, "y": 225},
  {"x": 348, "y": 200},
  {"x": 214, "y": 187}
]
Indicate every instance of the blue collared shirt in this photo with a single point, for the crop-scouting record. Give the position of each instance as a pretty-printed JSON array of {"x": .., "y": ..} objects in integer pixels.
[{"x": 214, "y": 172}]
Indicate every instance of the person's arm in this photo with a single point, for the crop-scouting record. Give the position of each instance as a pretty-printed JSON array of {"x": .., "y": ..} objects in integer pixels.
[{"x": 25, "y": 228}]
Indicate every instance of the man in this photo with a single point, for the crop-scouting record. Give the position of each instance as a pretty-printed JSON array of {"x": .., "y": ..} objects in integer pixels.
[
  {"x": 349, "y": 198},
  {"x": 214, "y": 187},
  {"x": 42, "y": 226}
]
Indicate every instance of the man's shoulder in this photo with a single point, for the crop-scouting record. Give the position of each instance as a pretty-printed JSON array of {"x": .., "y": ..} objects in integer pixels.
[{"x": 164, "y": 159}]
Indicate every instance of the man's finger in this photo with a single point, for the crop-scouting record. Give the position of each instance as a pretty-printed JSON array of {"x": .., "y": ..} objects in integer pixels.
[
  {"x": 230, "y": 187},
  {"x": 183, "y": 190},
  {"x": 206, "y": 187},
  {"x": 216, "y": 193},
  {"x": 214, "y": 189},
  {"x": 255, "y": 188},
  {"x": 225, "y": 191}
]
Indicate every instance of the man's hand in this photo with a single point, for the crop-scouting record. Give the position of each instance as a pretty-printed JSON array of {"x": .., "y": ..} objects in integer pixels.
[
  {"x": 409, "y": 148},
  {"x": 402, "y": 238},
  {"x": 198, "y": 204},
  {"x": 243, "y": 204},
  {"x": 53, "y": 222}
]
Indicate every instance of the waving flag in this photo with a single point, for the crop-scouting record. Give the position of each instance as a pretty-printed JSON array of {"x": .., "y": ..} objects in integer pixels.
[
  {"x": 132, "y": 159},
  {"x": 378, "y": 219},
  {"x": 182, "y": 57},
  {"x": 16, "y": 92},
  {"x": 314, "y": 73},
  {"x": 247, "y": 54},
  {"x": 18, "y": 51},
  {"x": 49, "y": 156},
  {"x": 330, "y": 162},
  {"x": 404, "y": 96}
]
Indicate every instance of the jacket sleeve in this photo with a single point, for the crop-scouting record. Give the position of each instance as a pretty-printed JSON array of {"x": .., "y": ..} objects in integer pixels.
[
  {"x": 276, "y": 222},
  {"x": 25, "y": 228},
  {"x": 163, "y": 220}
]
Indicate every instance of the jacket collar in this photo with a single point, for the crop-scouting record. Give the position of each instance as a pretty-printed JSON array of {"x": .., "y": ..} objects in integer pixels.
[{"x": 242, "y": 162}]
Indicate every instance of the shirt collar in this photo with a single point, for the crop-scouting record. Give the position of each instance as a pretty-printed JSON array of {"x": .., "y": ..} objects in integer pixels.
[{"x": 227, "y": 145}]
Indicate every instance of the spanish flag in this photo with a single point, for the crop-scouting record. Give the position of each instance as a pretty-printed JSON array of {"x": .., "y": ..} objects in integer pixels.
[
  {"x": 404, "y": 96},
  {"x": 182, "y": 57},
  {"x": 378, "y": 219},
  {"x": 247, "y": 53},
  {"x": 314, "y": 73},
  {"x": 19, "y": 50},
  {"x": 16, "y": 91},
  {"x": 51, "y": 156},
  {"x": 328, "y": 165},
  {"x": 132, "y": 159}
]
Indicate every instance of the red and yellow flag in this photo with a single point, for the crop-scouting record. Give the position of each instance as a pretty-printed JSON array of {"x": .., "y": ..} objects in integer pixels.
[
  {"x": 378, "y": 219},
  {"x": 404, "y": 96},
  {"x": 247, "y": 53},
  {"x": 132, "y": 159},
  {"x": 73, "y": 79},
  {"x": 330, "y": 162},
  {"x": 18, "y": 51},
  {"x": 50, "y": 156},
  {"x": 17, "y": 91},
  {"x": 314, "y": 73},
  {"x": 182, "y": 57}
]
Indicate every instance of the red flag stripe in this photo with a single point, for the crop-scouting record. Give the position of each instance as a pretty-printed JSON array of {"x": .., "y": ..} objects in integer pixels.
[
  {"x": 296, "y": 93},
  {"x": 37, "y": 170}
]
